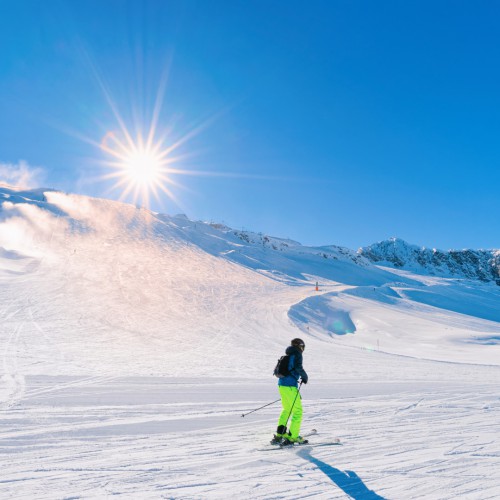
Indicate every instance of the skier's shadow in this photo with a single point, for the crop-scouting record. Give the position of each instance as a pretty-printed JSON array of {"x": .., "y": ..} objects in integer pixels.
[{"x": 349, "y": 482}]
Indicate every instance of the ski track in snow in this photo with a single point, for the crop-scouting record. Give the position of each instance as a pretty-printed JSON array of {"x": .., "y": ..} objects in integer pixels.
[{"x": 439, "y": 443}]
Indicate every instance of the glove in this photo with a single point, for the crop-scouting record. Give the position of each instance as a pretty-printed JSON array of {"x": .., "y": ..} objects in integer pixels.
[{"x": 304, "y": 380}]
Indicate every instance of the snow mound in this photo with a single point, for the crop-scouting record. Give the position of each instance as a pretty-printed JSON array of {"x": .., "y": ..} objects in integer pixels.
[{"x": 321, "y": 312}]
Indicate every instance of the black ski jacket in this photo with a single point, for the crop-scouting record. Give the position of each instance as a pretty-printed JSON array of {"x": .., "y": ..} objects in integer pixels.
[{"x": 295, "y": 367}]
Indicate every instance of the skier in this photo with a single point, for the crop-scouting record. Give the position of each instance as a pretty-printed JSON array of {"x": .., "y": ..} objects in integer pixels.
[{"x": 290, "y": 397}]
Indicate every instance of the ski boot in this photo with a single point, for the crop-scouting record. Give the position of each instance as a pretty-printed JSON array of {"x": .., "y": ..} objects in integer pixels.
[
  {"x": 277, "y": 439},
  {"x": 289, "y": 441},
  {"x": 280, "y": 433}
]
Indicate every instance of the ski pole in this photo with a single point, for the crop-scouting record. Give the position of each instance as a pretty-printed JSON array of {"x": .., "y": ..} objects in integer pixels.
[
  {"x": 257, "y": 409},
  {"x": 296, "y": 395}
]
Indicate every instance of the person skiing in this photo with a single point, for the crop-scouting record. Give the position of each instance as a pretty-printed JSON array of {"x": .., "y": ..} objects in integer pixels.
[{"x": 291, "y": 400}]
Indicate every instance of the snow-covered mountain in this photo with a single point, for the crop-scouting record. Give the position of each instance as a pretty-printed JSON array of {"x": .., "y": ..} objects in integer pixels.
[
  {"x": 483, "y": 265},
  {"x": 108, "y": 271},
  {"x": 132, "y": 342}
]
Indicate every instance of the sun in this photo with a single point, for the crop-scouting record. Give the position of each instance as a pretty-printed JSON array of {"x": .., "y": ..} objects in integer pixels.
[
  {"x": 143, "y": 167},
  {"x": 139, "y": 167},
  {"x": 143, "y": 153},
  {"x": 144, "y": 157}
]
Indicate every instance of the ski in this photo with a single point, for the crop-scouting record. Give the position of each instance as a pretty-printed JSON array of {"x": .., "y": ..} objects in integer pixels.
[
  {"x": 335, "y": 442},
  {"x": 312, "y": 432}
]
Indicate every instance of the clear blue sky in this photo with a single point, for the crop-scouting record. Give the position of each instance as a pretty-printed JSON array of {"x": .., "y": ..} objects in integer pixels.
[{"x": 336, "y": 122}]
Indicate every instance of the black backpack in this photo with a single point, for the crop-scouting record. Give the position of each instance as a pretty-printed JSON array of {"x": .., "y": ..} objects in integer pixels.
[{"x": 281, "y": 370}]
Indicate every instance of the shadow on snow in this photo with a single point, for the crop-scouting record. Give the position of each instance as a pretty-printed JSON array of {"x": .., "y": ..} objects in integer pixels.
[{"x": 349, "y": 482}]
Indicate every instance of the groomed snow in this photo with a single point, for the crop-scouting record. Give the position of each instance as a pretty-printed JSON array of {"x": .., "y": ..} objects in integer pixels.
[{"x": 132, "y": 343}]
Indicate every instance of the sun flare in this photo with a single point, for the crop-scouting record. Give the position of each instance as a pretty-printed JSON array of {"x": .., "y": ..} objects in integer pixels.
[
  {"x": 143, "y": 157},
  {"x": 140, "y": 167}
]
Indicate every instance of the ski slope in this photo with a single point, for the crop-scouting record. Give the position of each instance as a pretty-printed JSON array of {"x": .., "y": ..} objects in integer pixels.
[{"x": 132, "y": 342}]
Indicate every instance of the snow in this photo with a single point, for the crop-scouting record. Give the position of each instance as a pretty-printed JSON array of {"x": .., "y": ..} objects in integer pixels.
[{"x": 132, "y": 343}]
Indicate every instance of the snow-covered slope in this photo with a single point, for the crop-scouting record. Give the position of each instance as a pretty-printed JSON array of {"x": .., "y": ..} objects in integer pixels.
[
  {"x": 131, "y": 343},
  {"x": 93, "y": 281},
  {"x": 483, "y": 265}
]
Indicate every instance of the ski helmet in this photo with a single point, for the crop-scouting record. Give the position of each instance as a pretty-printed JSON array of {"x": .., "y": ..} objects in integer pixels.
[{"x": 298, "y": 343}]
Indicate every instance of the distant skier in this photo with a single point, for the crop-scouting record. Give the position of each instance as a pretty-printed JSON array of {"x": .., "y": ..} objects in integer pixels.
[{"x": 290, "y": 396}]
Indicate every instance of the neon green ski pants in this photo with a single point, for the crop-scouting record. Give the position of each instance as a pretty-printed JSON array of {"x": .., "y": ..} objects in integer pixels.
[{"x": 290, "y": 396}]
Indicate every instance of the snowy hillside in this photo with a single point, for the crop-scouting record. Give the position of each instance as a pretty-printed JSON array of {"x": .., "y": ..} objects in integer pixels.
[
  {"x": 133, "y": 341},
  {"x": 483, "y": 265}
]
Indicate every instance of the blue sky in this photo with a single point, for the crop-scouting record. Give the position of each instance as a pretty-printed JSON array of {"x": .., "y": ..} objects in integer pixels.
[{"x": 329, "y": 122}]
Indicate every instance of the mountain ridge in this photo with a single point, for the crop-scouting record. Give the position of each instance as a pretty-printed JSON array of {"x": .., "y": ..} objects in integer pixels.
[{"x": 481, "y": 265}]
